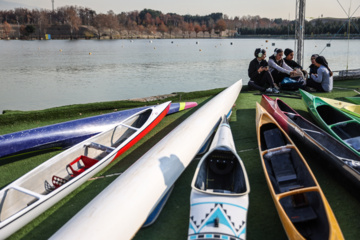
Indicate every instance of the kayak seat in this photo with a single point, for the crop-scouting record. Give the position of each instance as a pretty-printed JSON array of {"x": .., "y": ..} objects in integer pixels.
[
  {"x": 274, "y": 138},
  {"x": 354, "y": 143},
  {"x": 79, "y": 165},
  {"x": 284, "y": 172},
  {"x": 281, "y": 163},
  {"x": 300, "y": 211}
]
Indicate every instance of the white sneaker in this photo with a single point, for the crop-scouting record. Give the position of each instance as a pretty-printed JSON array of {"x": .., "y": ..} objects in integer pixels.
[
  {"x": 275, "y": 90},
  {"x": 269, "y": 90}
]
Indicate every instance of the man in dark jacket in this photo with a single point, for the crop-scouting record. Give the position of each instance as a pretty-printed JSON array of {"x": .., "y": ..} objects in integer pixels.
[{"x": 260, "y": 77}]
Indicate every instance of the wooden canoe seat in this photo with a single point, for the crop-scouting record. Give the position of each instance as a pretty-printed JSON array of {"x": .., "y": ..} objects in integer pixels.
[{"x": 83, "y": 163}]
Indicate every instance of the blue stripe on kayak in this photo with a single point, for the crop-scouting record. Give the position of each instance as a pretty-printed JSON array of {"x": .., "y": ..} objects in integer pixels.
[{"x": 220, "y": 203}]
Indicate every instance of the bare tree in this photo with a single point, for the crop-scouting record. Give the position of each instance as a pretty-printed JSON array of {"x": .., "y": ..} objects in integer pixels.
[
  {"x": 220, "y": 26},
  {"x": 100, "y": 23},
  {"x": 197, "y": 29},
  {"x": 112, "y": 22},
  {"x": 203, "y": 29},
  {"x": 163, "y": 29},
  {"x": 72, "y": 18},
  {"x": 184, "y": 28},
  {"x": 7, "y": 29},
  {"x": 190, "y": 28}
]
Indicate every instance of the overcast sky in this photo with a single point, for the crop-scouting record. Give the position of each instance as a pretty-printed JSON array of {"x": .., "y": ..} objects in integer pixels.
[{"x": 264, "y": 8}]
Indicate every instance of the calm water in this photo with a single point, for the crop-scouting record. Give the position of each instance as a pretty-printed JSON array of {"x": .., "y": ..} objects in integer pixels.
[{"x": 42, "y": 74}]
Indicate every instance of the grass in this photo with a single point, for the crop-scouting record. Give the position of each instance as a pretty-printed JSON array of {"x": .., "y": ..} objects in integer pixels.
[{"x": 263, "y": 221}]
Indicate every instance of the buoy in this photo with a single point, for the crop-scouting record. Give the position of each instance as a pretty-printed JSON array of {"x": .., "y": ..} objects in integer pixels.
[
  {"x": 60, "y": 50},
  {"x": 154, "y": 47},
  {"x": 90, "y": 53},
  {"x": 150, "y": 41},
  {"x": 199, "y": 50},
  {"x": 197, "y": 42},
  {"x": 231, "y": 43},
  {"x": 172, "y": 41},
  {"x": 267, "y": 41}
]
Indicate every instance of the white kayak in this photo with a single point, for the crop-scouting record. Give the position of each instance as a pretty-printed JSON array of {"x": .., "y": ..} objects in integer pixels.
[
  {"x": 121, "y": 209},
  {"x": 220, "y": 191},
  {"x": 29, "y": 196}
]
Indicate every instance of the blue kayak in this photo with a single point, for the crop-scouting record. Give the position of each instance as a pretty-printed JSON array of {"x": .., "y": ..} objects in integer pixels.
[{"x": 67, "y": 134}]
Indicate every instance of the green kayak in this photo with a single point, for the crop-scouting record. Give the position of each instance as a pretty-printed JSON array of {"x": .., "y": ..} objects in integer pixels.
[
  {"x": 355, "y": 100},
  {"x": 343, "y": 126}
]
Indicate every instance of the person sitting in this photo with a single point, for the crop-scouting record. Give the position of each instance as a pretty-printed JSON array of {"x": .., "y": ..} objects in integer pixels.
[
  {"x": 278, "y": 68},
  {"x": 260, "y": 77},
  {"x": 323, "y": 80},
  {"x": 289, "y": 56},
  {"x": 313, "y": 68}
]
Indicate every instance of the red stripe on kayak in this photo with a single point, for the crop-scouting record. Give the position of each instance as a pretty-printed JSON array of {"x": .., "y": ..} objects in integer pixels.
[{"x": 143, "y": 133}]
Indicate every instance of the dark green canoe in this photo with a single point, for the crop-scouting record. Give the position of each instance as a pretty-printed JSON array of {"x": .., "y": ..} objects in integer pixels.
[{"x": 343, "y": 126}]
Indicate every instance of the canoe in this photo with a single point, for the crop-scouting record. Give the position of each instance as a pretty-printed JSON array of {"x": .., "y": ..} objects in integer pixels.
[
  {"x": 344, "y": 106},
  {"x": 67, "y": 134},
  {"x": 342, "y": 126},
  {"x": 302, "y": 207},
  {"x": 219, "y": 198},
  {"x": 30, "y": 195},
  {"x": 355, "y": 100},
  {"x": 120, "y": 210},
  {"x": 315, "y": 140}
]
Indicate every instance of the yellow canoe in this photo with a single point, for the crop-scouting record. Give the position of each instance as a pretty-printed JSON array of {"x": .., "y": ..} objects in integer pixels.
[
  {"x": 344, "y": 106},
  {"x": 302, "y": 207}
]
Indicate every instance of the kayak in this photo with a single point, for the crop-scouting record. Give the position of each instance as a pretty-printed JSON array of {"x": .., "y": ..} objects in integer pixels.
[
  {"x": 315, "y": 140},
  {"x": 219, "y": 198},
  {"x": 67, "y": 134},
  {"x": 342, "y": 126},
  {"x": 302, "y": 207},
  {"x": 355, "y": 100},
  {"x": 120, "y": 210},
  {"x": 30, "y": 195},
  {"x": 344, "y": 106}
]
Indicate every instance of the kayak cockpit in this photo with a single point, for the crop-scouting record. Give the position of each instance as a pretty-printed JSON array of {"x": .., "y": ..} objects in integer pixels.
[
  {"x": 221, "y": 173},
  {"x": 68, "y": 166},
  {"x": 285, "y": 108}
]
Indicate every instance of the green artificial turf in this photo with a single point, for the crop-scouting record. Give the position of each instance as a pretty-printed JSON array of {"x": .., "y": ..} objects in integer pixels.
[{"x": 263, "y": 221}]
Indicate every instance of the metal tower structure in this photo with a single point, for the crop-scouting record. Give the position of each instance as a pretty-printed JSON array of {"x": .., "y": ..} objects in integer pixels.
[
  {"x": 299, "y": 31},
  {"x": 52, "y": 5}
]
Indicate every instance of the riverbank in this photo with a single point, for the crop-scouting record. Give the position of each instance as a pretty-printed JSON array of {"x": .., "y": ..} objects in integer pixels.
[{"x": 173, "y": 221}]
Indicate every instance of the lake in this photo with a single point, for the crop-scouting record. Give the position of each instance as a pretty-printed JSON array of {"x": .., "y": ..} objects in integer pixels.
[{"x": 42, "y": 74}]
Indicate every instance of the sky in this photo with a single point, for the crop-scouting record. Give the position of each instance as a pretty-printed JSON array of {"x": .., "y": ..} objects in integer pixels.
[{"x": 264, "y": 8}]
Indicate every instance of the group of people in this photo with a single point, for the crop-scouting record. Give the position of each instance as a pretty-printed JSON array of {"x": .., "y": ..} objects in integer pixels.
[{"x": 270, "y": 76}]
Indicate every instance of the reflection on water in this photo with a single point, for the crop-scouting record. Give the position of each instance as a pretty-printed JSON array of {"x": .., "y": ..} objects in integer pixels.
[{"x": 43, "y": 74}]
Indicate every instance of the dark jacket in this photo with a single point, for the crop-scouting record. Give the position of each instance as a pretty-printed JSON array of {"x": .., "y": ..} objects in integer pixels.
[
  {"x": 253, "y": 69},
  {"x": 313, "y": 69},
  {"x": 292, "y": 64}
]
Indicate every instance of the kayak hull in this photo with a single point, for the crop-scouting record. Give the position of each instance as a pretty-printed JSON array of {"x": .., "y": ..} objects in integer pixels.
[
  {"x": 219, "y": 198},
  {"x": 298, "y": 198}
]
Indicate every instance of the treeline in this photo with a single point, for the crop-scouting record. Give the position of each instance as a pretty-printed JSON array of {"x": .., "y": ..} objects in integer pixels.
[{"x": 75, "y": 21}]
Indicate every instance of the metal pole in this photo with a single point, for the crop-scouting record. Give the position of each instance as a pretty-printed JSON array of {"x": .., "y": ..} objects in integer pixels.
[{"x": 299, "y": 31}]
